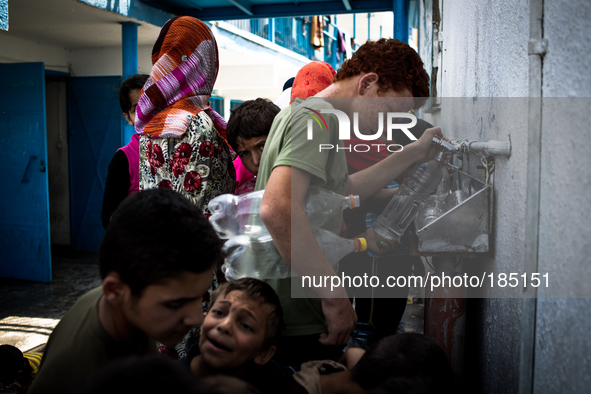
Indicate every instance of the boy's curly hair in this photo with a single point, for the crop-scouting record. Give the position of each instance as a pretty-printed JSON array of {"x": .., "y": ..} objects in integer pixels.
[{"x": 396, "y": 63}]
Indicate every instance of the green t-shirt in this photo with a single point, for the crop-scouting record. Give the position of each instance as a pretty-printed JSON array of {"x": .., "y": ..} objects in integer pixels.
[
  {"x": 79, "y": 347},
  {"x": 288, "y": 145}
]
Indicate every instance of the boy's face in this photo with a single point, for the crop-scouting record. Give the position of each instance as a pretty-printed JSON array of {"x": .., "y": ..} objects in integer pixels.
[
  {"x": 250, "y": 152},
  {"x": 134, "y": 97},
  {"x": 166, "y": 312},
  {"x": 233, "y": 332}
]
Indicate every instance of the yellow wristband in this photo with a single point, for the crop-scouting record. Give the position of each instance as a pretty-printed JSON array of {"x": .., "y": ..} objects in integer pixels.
[{"x": 362, "y": 244}]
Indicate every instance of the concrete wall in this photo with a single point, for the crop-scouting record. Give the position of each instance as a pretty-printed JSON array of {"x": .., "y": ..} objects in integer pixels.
[
  {"x": 563, "y": 345},
  {"x": 485, "y": 73},
  {"x": 79, "y": 62},
  {"x": 106, "y": 61},
  {"x": 17, "y": 50},
  {"x": 485, "y": 60}
]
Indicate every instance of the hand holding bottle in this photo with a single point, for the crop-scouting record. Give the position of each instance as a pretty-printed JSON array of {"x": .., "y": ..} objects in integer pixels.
[
  {"x": 425, "y": 149},
  {"x": 377, "y": 244}
]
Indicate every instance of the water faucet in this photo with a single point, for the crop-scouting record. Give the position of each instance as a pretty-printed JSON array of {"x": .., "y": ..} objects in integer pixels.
[{"x": 444, "y": 146}]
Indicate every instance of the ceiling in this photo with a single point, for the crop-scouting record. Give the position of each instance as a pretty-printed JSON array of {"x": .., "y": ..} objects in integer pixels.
[
  {"x": 71, "y": 24},
  {"x": 246, "y": 9}
]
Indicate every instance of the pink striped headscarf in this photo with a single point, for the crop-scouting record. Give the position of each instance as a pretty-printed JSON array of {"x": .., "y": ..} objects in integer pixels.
[{"x": 184, "y": 71}]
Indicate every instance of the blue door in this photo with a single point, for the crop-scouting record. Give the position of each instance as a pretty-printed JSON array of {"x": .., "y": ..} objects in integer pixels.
[
  {"x": 94, "y": 133},
  {"x": 24, "y": 213}
]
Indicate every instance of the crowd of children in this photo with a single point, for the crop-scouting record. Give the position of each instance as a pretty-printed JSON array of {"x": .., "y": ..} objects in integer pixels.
[{"x": 160, "y": 258}]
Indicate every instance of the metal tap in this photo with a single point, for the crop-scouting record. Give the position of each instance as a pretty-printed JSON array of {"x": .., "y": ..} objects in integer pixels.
[{"x": 444, "y": 146}]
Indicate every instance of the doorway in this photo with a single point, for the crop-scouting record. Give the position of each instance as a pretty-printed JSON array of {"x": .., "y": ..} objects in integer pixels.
[{"x": 58, "y": 158}]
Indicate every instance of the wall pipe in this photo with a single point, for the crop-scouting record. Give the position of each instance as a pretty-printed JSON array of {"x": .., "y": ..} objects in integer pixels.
[
  {"x": 536, "y": 50},
  {"x": 492, "y": 147}
]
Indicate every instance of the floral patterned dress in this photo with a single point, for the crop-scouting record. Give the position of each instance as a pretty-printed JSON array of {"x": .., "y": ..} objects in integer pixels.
[{"x": 199, "y": 166}]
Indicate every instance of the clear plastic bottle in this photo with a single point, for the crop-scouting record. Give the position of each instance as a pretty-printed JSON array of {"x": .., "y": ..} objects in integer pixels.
[
  {"x": 258, "y": 257},
  {"x": 233, "y": 215},
  {"x": 250, "y": 249},
  {"x": 335, "y": 247},
  {"x": 444, "y": 186},
  {"x": 253, "y": 257},
  {"x": 458, "y": 195},
  {"x": 435, "y": 205},
  {"x": 322, "y": 204},
  {"x": 237, "y": 215},
  {"x": 414, "y": 191}
]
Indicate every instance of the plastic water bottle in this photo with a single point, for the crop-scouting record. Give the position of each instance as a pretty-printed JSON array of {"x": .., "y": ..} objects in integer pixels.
[
  {"x": 253, "y": 257},
  {"x": 258, "y": 257},
  {"x": 321, "y": 204},
  {"x": 335, "y": 247},
  {"x": 444, "y": 186},
  {"x": 414, "y": 191},
  {"x": 250, "y": 249},
  {"x": 237, "y": 215},
  {"x": 435, "y": 205},
  {"x": 458, "y": 194}
]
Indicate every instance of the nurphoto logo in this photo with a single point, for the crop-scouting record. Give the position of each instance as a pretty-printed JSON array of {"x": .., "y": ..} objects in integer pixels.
[{"x": 345, "y": 129}]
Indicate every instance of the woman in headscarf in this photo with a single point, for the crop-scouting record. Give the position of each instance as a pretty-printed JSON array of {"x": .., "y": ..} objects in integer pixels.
[
  {"x": 183, "y": 141},
  {"x": 183, "y": 145}
]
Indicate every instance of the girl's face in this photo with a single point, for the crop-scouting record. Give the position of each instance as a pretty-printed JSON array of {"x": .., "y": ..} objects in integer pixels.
[
  {"x": 134, "y": 97},
  {"x": 250, "y": 152}
]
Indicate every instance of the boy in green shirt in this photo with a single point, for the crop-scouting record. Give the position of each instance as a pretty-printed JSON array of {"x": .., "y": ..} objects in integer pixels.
[
  {"x": 156, "y": 264},
  {"x": 382, "y": 77}
]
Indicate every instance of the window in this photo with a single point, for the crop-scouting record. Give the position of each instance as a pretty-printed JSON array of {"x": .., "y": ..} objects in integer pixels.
[
  {"x": 235, "y": 104},
  {"x": 217, "y": 103}
]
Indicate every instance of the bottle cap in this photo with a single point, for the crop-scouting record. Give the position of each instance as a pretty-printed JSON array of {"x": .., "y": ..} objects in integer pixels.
[
  {"x": 355, "y": 201},
  {"x": 361, "y": 244}
]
